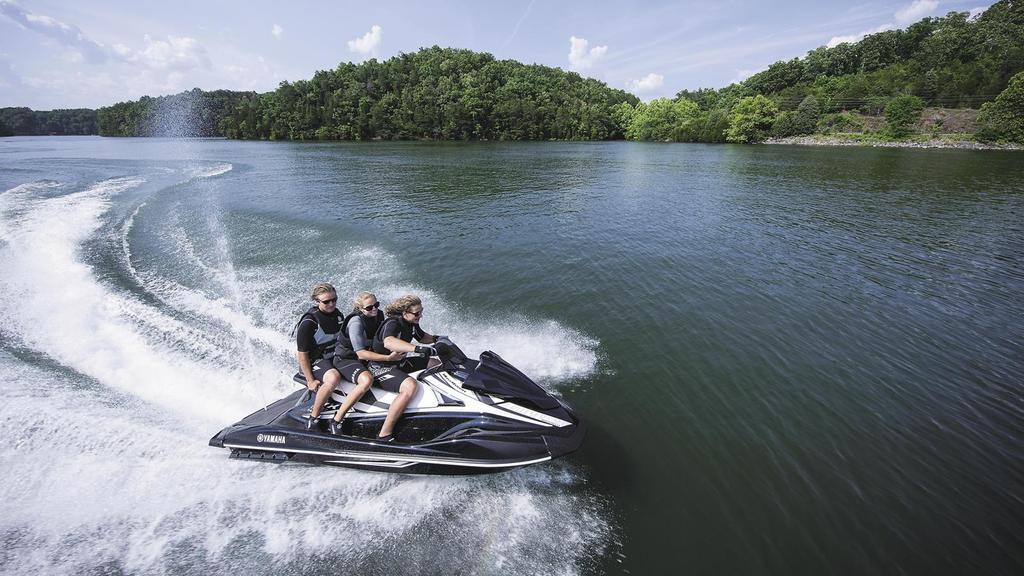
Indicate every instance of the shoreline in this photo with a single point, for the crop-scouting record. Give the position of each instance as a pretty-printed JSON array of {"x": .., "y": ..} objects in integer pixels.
[{"x": 818, "y": 140}]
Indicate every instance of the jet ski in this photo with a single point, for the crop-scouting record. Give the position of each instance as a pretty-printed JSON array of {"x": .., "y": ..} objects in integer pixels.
[{"x": 467, "y": 417}]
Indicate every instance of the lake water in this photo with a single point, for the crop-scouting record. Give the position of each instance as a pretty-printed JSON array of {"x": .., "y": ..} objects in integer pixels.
[{"x": 791, "y": 360}]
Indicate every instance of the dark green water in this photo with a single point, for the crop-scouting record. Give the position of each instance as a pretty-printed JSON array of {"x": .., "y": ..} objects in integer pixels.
[{"x": 791, "y": 360}]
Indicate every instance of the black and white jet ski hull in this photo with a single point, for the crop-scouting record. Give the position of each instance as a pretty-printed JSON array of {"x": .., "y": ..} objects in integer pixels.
[{"x": 451, "y": 426}]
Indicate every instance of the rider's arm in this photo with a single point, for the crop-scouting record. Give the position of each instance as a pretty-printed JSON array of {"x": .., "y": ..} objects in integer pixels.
[
  {"x": 306, "y": 367},
  {"x": 396, "y": 344},
  {"x": 368, "y": 355},
  {"x": 362, "y": 346},
  {"x": 304, "y": 344}
]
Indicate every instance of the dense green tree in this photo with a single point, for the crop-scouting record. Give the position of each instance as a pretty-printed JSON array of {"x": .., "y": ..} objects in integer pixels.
[
  {"x": 190, "y": 113},
  {"x": 27, "y": 122},
  {"x": 952, "y": 61},
  {"x": 662, "y": 119},
  {"x": 803, "y": 120},
  {"x": 435, "y": 93},
  {"x": 807, "y": 115},
  {"x": 443, "y": 93},
  {"x": 1003, "y": 119},
  {"x": 902, "y": 114},
  {"x": 777, "y": 77},
  {"x": 785, "y": 125},
  {"x": 705, "y": 98},
  {"x": 751, "y": 119},
  {"x": 712, "y": 126}
]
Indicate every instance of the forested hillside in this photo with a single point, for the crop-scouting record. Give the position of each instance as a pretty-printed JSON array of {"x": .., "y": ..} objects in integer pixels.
[
  {"x": 435, "y": 93},
  {"x": 27, "y": 122},
  {"x": 890, "y": 85},
  {"x": 190, "y": 113},
  {"x": 948, "y": 62}
]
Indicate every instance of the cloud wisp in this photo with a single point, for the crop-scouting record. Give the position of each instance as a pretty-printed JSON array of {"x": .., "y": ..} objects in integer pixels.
[
  {"x": 647, "y": 84},
  {"x": 277, "y": 31},
  {"x": 851, "y": 38},
  {"x": 368, "y": 44},
  {"x": 581, "y": 56},
  {"x": 515, "y": 30},
  {"x": 174, "y": 53},
  {"x": 975, "y": 12},
  {"x": 68, "y": 36},
  {"x": 918, "y": 9},
  {"x": 905, "y": 16}
]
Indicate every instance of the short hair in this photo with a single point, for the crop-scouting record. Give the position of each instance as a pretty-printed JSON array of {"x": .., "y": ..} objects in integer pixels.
[
  {"x": 402, "y": 304},
  {"x": 357, "y": 301},
  {"x": 322, "y": 288}
]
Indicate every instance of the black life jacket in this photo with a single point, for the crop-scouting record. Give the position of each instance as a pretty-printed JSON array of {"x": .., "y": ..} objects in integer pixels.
[
  {"x": 325, "y": 341},
  {"x": 406, "y": 331},
  {"x": 370, "y": 326}
]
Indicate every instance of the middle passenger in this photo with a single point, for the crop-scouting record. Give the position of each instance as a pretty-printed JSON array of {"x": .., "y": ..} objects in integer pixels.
[{"x": 353, "y": 349}]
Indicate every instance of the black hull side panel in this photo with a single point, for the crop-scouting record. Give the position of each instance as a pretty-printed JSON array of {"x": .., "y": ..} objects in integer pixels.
[{"x": 474, "y": 445}]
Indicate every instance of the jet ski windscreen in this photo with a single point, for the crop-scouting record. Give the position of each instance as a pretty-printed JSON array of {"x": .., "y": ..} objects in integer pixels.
[{"x": 495, "y": 377}]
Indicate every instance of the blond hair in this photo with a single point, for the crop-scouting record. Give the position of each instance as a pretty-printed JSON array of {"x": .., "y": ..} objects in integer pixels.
[
  {"x": 322, "y": 288},
  {"x": 403, "y": 304},
  {"x": 357, "y": 301}
]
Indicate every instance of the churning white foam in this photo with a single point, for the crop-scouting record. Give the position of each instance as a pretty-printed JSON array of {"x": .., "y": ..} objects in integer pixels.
[
  {"x": 53, "y": 303},
  {"x": 107, "y": 466},
  {"x": 209, "y": 171},
  {"x": 546, "y": 350},
  {"x": 93, "y": 484}
]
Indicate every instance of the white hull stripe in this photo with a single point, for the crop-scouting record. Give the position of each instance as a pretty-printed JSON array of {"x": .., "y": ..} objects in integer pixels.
[
  {"x": 402, "y": 464},
  {"x": 386, "y": 460}
]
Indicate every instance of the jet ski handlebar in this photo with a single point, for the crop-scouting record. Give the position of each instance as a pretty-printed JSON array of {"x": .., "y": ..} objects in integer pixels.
[{"x": 441, "y": 346}]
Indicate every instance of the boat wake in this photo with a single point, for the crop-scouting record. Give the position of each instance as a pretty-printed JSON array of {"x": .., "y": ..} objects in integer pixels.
[{"x": 127, "y": 343}]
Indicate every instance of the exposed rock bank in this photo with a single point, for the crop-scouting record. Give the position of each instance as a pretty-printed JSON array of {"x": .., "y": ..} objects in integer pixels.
[{"x": 931, "y": 143}]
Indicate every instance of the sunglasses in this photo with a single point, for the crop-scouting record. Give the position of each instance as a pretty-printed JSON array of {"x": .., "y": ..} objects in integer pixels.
[
  {"x": 328, "y": 301},
  {"x": 373, "y": 306},
  {"x": 416, "y": 314}
]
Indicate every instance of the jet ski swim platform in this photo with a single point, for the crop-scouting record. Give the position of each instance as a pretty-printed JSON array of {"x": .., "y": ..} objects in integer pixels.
[{"x": 467, "y": 417}]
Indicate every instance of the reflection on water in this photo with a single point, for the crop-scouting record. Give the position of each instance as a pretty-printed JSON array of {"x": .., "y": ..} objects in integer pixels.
[{"x": 790, "y": 360}]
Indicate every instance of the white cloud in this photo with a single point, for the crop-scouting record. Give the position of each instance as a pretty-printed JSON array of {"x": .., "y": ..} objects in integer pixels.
[
  {"x": 648, "y": 83},
  {"x": 277, "y": 31},
  {"x": 368, "y": 44},
  {"x": 580, "y": 58},
  {"x": 975, "y": 12},
  {"x": 918, "y": 9},
  {"x": 68, "y": 36},
  {"x": 837, "y": 40},
  {"x": 177, "y": 53}
]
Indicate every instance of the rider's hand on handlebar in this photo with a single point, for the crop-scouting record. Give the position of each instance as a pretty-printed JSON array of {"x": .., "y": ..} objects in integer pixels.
[{"x": 395, "y": 356}]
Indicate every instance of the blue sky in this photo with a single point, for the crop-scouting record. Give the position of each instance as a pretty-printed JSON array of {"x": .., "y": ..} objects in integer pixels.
[{"x": 63, "y": 54}]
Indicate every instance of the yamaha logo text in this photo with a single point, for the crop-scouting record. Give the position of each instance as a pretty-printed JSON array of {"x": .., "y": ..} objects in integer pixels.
[{"x": 271, "y": 438}]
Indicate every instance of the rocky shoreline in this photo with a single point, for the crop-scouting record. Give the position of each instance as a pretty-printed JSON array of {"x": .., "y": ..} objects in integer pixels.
[{"x": 932, "y": 143}]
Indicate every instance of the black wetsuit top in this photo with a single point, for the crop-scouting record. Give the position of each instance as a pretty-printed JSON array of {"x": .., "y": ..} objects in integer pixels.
[
  {"x": 396, "y": 326},
  {"x": 317, "y": 333},
  {"x": 345, "y": 348}
]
